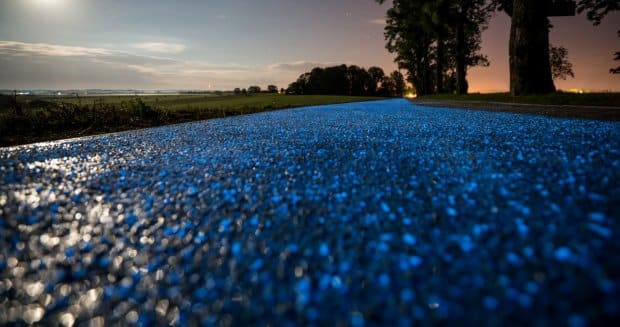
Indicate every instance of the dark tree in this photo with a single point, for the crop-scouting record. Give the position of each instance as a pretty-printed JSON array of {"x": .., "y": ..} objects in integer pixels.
[
  {"x": 353, "y": 80},
  {"x": 272, "y": 89},
  {"x": 596, "y": 10},
  {"x": 388, "y": 87},
  {"x": 471, "y": 17},
  {"x": 561, "y": 68},
  {"x": 616, "y": 58},
  {"x": 334, "y": 80},
  {"x": 439, "y": 20},
  {"x": 359, "y": 80},
  {"x": 244, "y": 91},
  {"x": 254, "y": 89},
  {"x": 237, "y": 91},
  {"x": 299, "y": 86},
  {"x": 313, "y": 81},
  {"x": 435, "y": 40},
  {"x": 530, "y": 67},
  {"x": 376, "y": 76},
  {"x": 617, "y": 69},
  {"x": 294, "y": 88},
  {"x": 409, "y": 35},
  {"x": 399, "y": 83}
]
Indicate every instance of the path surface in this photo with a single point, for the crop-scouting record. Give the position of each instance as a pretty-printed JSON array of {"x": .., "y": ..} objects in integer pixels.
[{"x": 358, "y": 214}]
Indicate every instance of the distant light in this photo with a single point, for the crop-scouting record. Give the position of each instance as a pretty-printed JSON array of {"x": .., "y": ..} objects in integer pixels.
[
  {"x": 577, "y": 91},
  {"x": 411, "y": 95}
]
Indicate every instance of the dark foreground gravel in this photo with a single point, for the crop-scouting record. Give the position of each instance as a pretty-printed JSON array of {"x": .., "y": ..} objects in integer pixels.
[{"x": 378, "y": 213}]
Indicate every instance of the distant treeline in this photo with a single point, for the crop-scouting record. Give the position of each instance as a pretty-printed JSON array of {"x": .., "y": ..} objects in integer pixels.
[
  {"x": 349, "y": 80},
  {"x": 256, "y": 89}
]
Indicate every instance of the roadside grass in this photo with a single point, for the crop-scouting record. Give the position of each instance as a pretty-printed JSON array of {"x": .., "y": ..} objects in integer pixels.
[
  {"x": 51, "y": 118},
  {"x": 558, "y": 98}
]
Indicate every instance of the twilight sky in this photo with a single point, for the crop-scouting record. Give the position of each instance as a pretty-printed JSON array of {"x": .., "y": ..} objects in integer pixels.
[{"x": 183, "y": 44}]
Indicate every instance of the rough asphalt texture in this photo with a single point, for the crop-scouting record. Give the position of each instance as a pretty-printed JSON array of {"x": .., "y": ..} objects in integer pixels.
[{"x": 377, "y": 213}]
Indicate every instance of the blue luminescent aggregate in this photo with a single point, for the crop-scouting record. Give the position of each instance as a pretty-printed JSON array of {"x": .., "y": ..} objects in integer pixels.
[
  {"x": 563, "y": 254},
  {"x": 365, "y": 214},
  {"x": 490, "y": 303},
  {"x": 409, "y": 239},
  {"x": 384, "y": 280},
  {"x": 324, "y": 249}
]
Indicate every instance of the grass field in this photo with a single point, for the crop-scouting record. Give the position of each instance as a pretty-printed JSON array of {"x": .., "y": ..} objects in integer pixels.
[
  {"x": 212, "y": 102},
  {"x": 50, "y": 118},
  {"x": 559, "y": 98}
]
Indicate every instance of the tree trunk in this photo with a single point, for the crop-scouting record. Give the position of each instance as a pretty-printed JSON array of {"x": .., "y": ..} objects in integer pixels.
[
  {"x": 440, "y": 64},
  {"x": 423, "y": 73},
  {"x": 427, "y": 74},
  {"x": 461, "y": 65},
  {"x": 530, "y": 70}
]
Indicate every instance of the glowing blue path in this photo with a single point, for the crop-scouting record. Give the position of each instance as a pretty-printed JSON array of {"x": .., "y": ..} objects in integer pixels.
[{"x": 376, "y": 213}]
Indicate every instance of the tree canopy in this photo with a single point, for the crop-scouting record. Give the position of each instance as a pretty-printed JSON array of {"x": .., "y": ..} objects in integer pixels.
[
  {"x": 616, "y": 58},
  {"x": 254, "y": 89},
  {"x": 349, "y": 80},
  {"x": 561, "y": 68},
  {"x": 531, "y": 61},
  {"x": 436, "y": 41}
]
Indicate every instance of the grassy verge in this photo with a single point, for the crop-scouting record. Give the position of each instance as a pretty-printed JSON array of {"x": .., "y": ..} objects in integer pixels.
[
  {"x": 52, "y": 118},
  {"x": 599, "y": 106},
  {"x": 558, "y": 99}
]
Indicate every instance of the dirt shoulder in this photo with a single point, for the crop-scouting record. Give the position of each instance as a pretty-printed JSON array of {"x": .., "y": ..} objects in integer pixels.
[{"x": 563, "y": 111}]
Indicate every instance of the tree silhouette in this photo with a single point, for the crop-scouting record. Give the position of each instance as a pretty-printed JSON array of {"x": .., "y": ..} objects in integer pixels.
[
  {"x": 359, "y": 80},
  {"x": 561, "y": 68},
  {"x": 376, "y": 76},
  {"x": 254, "y": 89},
  {"x": 617, "y": 58},
  {"x": 530, "y": 66},
  {"x": 399, "y": 83},
  {"x": 352, "y": 80},
  {"x": 436, "y": 40},
  {"x": 334, "y": 80}
]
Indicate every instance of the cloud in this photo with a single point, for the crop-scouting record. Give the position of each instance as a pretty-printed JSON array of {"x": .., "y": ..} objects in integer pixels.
[
  {"x": 160, "y": 47},
  {"x": 378, "y": 21},
  {"x": 39, "y": 65},
  {"x": 21, "y": 48},
  {"x": 297, "y": 66}
]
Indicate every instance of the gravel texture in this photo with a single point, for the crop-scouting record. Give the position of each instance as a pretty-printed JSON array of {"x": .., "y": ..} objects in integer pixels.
[{"x": 376, "y": 213}]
